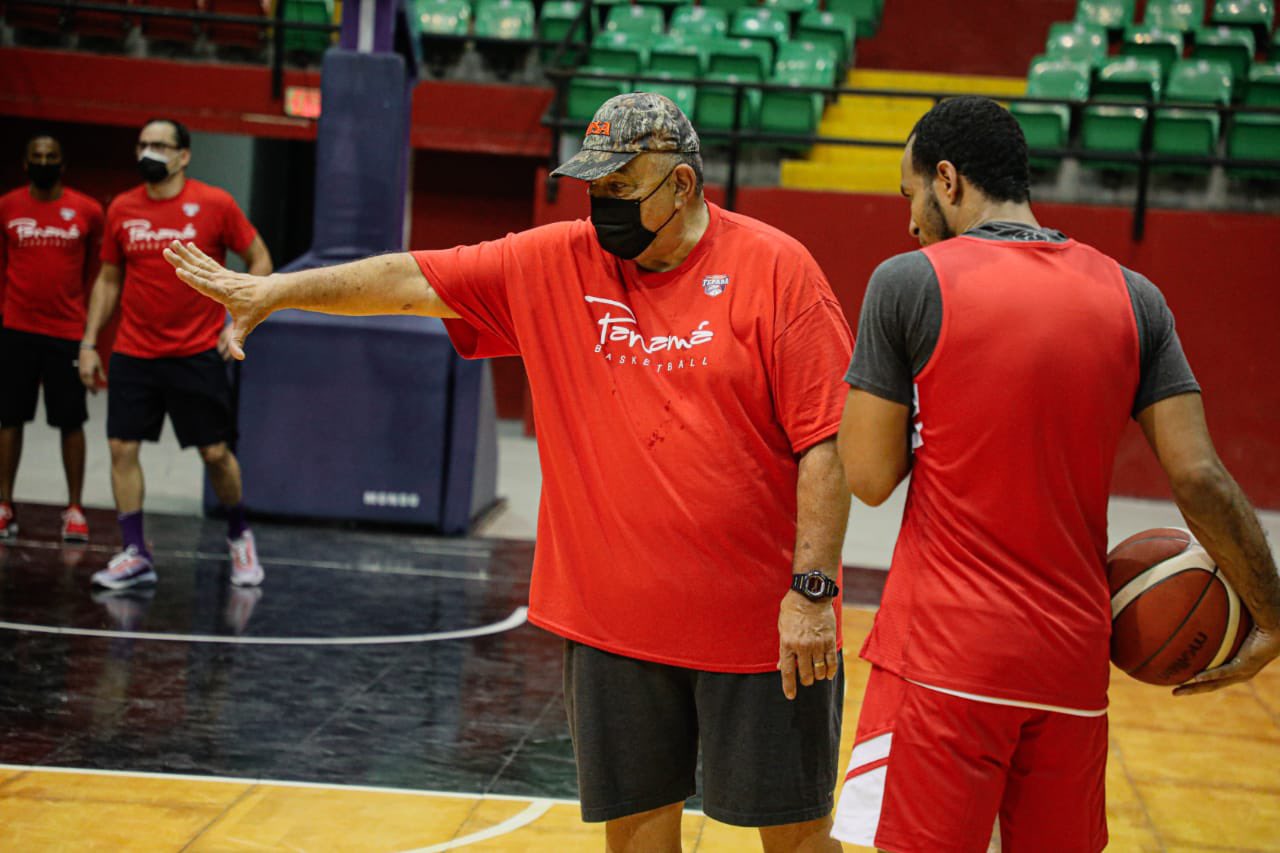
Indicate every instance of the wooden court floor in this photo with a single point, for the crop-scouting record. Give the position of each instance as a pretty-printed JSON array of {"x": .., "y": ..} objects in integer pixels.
[
  {"x": 198, "y": 717},
  {"x": 1191, "y": 774}
]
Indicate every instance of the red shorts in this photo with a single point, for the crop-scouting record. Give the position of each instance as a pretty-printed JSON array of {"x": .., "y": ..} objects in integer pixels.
[{"x": 933, "y": 772}]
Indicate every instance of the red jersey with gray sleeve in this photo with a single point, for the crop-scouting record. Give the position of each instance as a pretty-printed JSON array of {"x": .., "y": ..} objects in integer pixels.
[
  {"x": 1024, "y": 355},
  {"x": 160, "y": 317},
  {"x": 671, "y": 410}
]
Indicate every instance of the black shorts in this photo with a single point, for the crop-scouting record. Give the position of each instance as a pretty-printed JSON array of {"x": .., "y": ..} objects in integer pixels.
[
  {"x": 194, "y": 392},
  {"x": 637, "y": 726},
  {"x": 28, "y": 361}
]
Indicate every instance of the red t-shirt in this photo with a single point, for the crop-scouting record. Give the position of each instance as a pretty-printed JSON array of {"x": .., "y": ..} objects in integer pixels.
[
  {"x": 160, "y": 317},
  {"x": 671, "y": 409},
  {"x": 48, "y": 256},
  {"x": 998, "y": 585}
]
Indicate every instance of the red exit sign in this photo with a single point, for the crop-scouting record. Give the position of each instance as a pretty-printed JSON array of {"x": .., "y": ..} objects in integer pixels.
[{"x": 302, "y": 101}]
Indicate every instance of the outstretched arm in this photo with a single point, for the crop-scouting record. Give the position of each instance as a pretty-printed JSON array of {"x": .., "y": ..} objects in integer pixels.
[
  {"x": 383, "y": 284},
  {"x": 1220, "y": 516}
]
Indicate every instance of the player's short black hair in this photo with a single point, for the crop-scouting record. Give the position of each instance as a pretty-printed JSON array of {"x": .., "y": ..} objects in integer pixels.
[
  {"x": 180, "y": 132},
  {"x": 981, "y": 139},
  {"x": 34, "y": 138}
]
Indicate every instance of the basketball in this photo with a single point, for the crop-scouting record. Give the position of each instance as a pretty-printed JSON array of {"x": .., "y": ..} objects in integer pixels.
[{"x": 1173, "y": 614}]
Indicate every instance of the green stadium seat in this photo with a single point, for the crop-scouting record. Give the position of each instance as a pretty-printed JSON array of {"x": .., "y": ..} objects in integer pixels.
[
  {"x": 1264, "y": 85},
  {"x": 504, "y": 19},
  {"x": 1077, "y": 41},
  {"x": 1111, "y": 15},
  {"x": 834, "y": 28},
  {"x": 1258, "y": 15},
  {"x": 699, "y": 21},
  {"x": 760, "y": 23},
  {"x": 313, "y": 42},
  {"x": 1144, "y": 40},
  {"x": 1192, "y": 132},
  {"x": 635, "y": 19},
  {"x": 799, "y": 64},
  {"x": 865, "y": 12},
  {"x": 447, "y": 18},
  {"x": 666, "y": 4},
  {"x": 1182, "y": 16},
  {"x": 728, "y": 5},
  {"x": 586, "y": 93},
  {"x": 1119, "y": 128},
  {"x": 619, "y": 52},
  {"x": 749, "y": 59},
  {"x": 1229, "y": 44},
  {"x": 1274, "y": 52},
  {"x": 555, "y": 22},
  {"x": 1255, "y": 137},
  {"x": 715, "y": 104},
  {"x": 677, "y": 57},
  {"x": 443, "y": 17},
  {"x": 684, "y": 95},
  {"x": 792, "y": 7},
  {"x": 1049, "y": 125}
]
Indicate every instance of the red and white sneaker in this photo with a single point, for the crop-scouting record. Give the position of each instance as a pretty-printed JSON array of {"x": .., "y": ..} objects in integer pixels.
[
  {"x": 8, "y": 522},
  {"x": 75, "y": 527},
  {"x": 126, "y": 569},
  {"x": 245, "y": 568}
]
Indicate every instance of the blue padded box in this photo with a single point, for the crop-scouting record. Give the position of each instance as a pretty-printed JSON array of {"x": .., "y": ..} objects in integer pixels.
[{"x": 365, "y": 419}]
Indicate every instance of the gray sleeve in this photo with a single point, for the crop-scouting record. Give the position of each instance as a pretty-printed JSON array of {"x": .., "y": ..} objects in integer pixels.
[
  {"x": 898, "y": 328},
  {"x": 1164, "y": 368}
]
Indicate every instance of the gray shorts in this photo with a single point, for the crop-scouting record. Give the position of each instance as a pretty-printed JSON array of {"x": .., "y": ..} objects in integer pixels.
[{"x": 637, "y": 727}]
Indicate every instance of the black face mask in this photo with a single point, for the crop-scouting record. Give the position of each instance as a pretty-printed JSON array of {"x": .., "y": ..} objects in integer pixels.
[
  {"x": 44, "y": 175},
  {"x": 153, "y": 171},
  {"x": 618, "y": 225}
]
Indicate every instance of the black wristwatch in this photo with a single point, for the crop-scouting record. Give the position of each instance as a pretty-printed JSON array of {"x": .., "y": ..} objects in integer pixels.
[{"x": 815, "y": 586}]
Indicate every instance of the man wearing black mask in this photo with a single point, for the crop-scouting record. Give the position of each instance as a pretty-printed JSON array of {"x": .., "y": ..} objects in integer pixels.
[
  {"x": 48, "y": 254},
  {"x": 685, "y": 364},
  {"x": 168, "y": 354}
]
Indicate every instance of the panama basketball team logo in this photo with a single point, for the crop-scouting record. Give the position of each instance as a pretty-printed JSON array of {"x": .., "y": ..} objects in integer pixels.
[
  {"x": 191, "y": 209},
  {"x": 714, "y": 285}
]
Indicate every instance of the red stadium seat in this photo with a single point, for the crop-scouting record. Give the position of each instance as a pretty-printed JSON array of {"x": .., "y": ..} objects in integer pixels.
[
  {"x": 238, "y": 37},
  {"x": 103, "y": 27},
  {"x": 173, "y": 30}
]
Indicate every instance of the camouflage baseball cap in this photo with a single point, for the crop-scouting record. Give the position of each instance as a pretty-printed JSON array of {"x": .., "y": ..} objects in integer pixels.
[{"x": 627, "y": 125}]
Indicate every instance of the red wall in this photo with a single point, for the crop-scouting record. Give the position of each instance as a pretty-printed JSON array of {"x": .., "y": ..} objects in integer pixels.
[
  {"x": 1219, "y": 273},
  {"x": 973, "y": 37}
]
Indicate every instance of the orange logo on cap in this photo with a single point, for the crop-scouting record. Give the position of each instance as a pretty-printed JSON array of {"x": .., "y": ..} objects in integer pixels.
[{"x": 598, "y": 128}]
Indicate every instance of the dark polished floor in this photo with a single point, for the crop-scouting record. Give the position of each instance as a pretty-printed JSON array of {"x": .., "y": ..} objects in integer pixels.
[{"x": 479, "y": 714}]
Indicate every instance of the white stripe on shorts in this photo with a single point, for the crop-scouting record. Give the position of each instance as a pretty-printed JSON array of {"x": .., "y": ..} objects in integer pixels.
[{"x": 857, "y": 815}]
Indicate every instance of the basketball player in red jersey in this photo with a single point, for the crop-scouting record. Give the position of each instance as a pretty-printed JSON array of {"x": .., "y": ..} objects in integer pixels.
[
  {"x": 48, "y": 255},
  {"x": 999, "y": 365},
  {"x": 169, "y": 352},
  {"x": 685, "y": 365}
]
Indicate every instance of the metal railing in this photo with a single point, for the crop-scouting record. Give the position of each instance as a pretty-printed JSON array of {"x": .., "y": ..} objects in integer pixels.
[
  {"x": 734, "y": 137},
  {"x": 277, "y": 23}
]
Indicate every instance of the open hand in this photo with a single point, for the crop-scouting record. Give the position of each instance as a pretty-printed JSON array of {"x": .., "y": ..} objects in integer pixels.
[
  {"x": 244, "y": 296},
  {"x": 806, "y": 642},
  {"x": 1259, "y": 648}
]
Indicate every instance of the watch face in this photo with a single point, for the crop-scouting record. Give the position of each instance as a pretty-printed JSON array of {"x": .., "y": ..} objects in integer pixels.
[{"x": 815, "y": 585}]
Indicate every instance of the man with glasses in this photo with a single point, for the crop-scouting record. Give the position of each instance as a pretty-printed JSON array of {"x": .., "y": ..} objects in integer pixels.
[
  {"x": 169, "y": 352},
  {"x": 48, "y": 252},
  {"x": 685, "y": 363}
]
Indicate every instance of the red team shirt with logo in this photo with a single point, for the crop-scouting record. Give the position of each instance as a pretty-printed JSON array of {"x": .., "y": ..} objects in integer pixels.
[
  {"x": 160, "y": 317},
  {"x": 47, "y": 259},
  {"x": 671, "y": 411}
]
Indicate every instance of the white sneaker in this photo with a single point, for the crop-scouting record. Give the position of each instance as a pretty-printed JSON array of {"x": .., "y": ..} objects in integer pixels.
[
  {"x": 245, "y": 568},
  {"x": 126, "y": 569}
]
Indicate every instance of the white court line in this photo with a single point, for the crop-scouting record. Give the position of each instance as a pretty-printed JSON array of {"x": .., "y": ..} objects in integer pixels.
[
  {"x": 535, "y": 810},
  {"x": 517, "y": 618}
]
